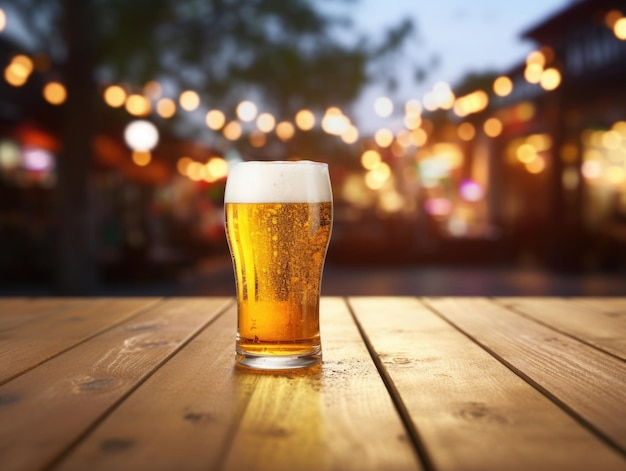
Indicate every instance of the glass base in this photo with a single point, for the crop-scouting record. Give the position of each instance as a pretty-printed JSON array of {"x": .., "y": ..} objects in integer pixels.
[{"x": 278, "y": 362}]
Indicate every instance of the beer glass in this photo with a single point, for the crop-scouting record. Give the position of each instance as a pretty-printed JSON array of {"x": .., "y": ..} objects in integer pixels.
[{"x": 278, "y": 224}]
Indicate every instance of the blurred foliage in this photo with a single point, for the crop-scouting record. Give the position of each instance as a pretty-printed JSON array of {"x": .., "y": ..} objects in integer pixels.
[{"x": 288, "y": 52}]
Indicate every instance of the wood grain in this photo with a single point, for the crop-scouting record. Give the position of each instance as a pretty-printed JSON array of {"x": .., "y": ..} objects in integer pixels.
[
  {"x": 596, "y": 325},
  {"x": 44, "y": 411},
  {"x": 586, "y": 381},
  {"x": 471, "y": 411},
  {"x": 55, "y": 325},
  {"x": 610, "y": 305},
  {"x": 202, "y": 410},
  {"x": 184, "y": 413},
  {"x": 17, "y": 311},
  {"x": 447, "y": 384},
  {"x": 339, "y": 417}
]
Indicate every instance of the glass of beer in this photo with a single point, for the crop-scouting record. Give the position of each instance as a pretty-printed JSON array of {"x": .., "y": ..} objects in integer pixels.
[{"x": 278, "y": 225}]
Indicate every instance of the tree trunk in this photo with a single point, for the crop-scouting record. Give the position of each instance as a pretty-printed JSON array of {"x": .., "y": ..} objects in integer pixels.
[{"x": 76, "y": 267}]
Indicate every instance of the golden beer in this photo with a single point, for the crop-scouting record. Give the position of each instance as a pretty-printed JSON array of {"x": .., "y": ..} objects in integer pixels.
[{"x": 278, "y": 250}]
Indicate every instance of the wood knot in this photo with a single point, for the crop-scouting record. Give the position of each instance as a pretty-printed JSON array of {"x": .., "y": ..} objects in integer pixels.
[
  {"x": 198, "y": 417},
  {"x": 479, "y": 412},
  {"x": 116, "y": 444},
  {"x": 8, "y": 399},
  {"x": 95, "y": 384}
]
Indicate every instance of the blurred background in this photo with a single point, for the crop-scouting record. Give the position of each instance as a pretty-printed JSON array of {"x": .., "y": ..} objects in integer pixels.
[{"x": 474, "y": 148}]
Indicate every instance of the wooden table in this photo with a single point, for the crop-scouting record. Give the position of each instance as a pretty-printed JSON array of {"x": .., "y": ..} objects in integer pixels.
[{"x": 406, "y": 383}]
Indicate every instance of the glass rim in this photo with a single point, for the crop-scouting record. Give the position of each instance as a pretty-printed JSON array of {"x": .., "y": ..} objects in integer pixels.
[{"x": 279, "y": 162}]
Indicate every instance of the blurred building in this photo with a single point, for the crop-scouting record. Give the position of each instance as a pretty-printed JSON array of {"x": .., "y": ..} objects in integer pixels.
[{"x": 526, "y": 167}]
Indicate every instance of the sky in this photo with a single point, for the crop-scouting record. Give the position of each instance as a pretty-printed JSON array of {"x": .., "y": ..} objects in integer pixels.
[{"x": 466, "y": 35}]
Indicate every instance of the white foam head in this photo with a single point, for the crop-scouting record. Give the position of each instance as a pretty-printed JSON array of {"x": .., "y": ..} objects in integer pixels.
[{"x": 300, "y": 181}]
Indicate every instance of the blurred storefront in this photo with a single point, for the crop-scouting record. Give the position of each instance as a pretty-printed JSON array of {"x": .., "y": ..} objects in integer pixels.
[
  {"x": 563, "y": 139},
  {"x": 151, "y": 220},
  {"x": 530, "y": 168}
]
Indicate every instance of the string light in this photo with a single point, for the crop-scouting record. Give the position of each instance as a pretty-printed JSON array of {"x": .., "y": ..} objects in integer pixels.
[
  {"x": 55, "y": 93},
  {"x": 114, "y": 96}
]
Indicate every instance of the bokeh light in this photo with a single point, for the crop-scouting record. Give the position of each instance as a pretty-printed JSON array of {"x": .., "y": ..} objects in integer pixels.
[
  {"x": 166, "y": 108},
  {"x": 114, "y": 96},
  {"x": 443, "y": 96},
  {"x": 502, "y": 86},
  {"x": 383, "y": 137},
  {"x": 438, "y": 206},
  {"x": 533, "y": 72},
  {"x": 305, "y": 120},
  {"x": 471, "y": 103},
  {"x": 536, "y": 58},
  {"x": 492, "y": 127},
  {"x": 285, "y": 130},
  {"x": 370, "y": 159},
  {"x": 419, "y": 137},
  {"x": 412, "y": 121},
  {"x": 215, "y": 119},
  {"x": 141, "y": 157},
  {"x": 536, "y": 166},
  {"x": 232, "y": 131},
  {"x": 246, "y": 111},
  {"x": 189, "y": 100},
  {"x": 141, "y": 135},
  {"x": 266, "y": 122},
  {"x": 335, "y": 122},
  {"x": 18, "y": 70},
  {"x": 471, "y": 191},
  {"x": 55, "y": 93},
  {"x": 383, "y": 106},
  {"x": 550, "y": 79},
  {"x": 37, "y": 159},
  {"x": 526, "y": 153},
  {"x": 217, "y": 167},
  {"x": 153, "y": 90},
  {"x": 591, "y": 169},
  {"x": 619, "y": 29},
  {"x": 195, "y": 171},
  {"x": 351, "y": 135},
  {"x": 138, "y": 105},
  {"x": 10, "y": 154},
  {"x": 257, "y": 138},
  {"x": 466, "y": 131},
  {"x": 183, "y": 164}
]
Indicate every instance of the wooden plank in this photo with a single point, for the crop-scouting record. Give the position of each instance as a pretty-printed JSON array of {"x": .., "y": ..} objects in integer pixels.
[
  {"x": 471, "y": 411},
  {"x": 16, "y": 311},
  {"x": 61, "y": 325},
  {"x": 615, "y": 306},
  {"x": 595, "y": 325},
  {"x": 181, "y": 417},
  {"x": 337, "y": 416},
  {"x": 10, "y": 303},
  {"x": 586, "y": 381},
  {"x": 45, "y": 410}
]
